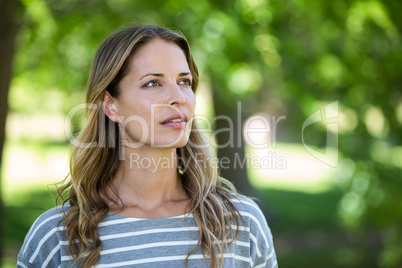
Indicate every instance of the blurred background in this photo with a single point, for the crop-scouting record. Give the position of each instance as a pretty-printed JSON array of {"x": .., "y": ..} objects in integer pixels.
[{"x": 318, "y": 83}]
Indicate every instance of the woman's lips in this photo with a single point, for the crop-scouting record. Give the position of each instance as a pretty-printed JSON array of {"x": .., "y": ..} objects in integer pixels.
[
  {"x": 177, "y": 116},
  {"x": 175, "y": 125}
]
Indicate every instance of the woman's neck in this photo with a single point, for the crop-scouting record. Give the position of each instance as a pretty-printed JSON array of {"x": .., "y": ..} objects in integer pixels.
[{"x": 147, "y": 181}]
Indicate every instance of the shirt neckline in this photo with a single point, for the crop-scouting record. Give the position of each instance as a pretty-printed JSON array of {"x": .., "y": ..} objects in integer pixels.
[{"x": 185, "y": 215}]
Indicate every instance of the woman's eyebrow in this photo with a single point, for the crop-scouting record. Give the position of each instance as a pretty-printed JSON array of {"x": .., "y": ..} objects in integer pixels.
[
  {"x": 184, "y": 74},
  {"x": 162, "y": 75},
  {"x": 156, "y": 74}
]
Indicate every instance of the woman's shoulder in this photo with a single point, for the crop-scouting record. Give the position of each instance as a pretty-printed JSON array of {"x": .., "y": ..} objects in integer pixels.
[
  {"x": 252, "y": 216},
  {"x": 47, "y": 223},
  {"x": 43, "y": 237},
  {"x": 262, "y": 247},
  {"x": 49, "y": 218},
  {"x": 247, "y": 206}
]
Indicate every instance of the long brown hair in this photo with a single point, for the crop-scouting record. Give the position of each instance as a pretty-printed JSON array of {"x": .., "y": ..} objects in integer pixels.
[{"x": 94, "y": 160}]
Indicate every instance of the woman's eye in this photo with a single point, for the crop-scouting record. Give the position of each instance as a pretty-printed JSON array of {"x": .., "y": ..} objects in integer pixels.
[
  {"x": 186, "y": 82},
  {"x": 152, "y": 84}
]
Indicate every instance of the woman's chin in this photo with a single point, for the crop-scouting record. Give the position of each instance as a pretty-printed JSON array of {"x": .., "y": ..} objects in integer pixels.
[{"x": 178, "y": 143}]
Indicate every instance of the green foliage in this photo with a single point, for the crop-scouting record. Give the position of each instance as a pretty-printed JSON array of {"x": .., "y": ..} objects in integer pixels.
[{"x": 281, "y": 57}]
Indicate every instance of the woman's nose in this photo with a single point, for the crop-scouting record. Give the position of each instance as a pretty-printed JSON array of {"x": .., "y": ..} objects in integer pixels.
[{"x": 176, "y": 96}]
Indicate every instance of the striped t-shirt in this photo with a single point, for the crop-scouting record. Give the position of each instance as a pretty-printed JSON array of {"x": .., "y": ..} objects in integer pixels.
[{"x": 165, "y": 242}]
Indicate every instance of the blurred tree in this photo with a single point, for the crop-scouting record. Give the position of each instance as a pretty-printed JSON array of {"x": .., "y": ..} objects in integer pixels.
[
  {"x": 350, "y": 51},
  {"x": 8, "y": 33}
]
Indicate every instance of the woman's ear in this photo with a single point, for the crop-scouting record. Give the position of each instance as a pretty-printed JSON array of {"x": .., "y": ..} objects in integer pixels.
[{"x": 109, "y": 107}]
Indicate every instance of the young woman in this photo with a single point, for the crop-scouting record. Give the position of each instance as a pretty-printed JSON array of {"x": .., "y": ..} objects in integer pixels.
[{"x": 142, "y": 188}]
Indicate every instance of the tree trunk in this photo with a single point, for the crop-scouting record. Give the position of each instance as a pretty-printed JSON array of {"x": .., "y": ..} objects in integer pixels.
[
  {"x": 8, "y": 32},
  {"x": 233, "y": 163}
]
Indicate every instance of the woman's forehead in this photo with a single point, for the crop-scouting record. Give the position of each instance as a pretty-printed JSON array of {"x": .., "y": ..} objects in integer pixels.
[{"x": 159, "y": 56}]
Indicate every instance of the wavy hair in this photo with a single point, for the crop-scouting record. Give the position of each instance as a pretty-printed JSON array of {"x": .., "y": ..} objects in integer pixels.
[{"x": 94, "y": 161}]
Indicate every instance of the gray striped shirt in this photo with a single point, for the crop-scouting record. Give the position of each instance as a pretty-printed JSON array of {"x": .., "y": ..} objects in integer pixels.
[{"x": 165, "y": 242}]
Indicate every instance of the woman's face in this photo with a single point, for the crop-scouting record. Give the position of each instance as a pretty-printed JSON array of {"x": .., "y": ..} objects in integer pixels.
[{"x": 156, "y": 90}]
